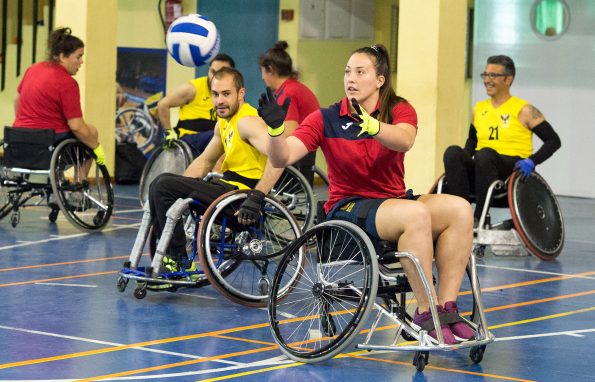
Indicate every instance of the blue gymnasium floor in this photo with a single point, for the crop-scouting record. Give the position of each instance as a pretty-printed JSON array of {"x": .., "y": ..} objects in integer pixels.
[{"x": 62, "y": 318}]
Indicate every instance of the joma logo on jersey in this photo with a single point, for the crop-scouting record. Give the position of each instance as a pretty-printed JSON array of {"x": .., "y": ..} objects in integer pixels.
[{"x": 505, "y": 120}]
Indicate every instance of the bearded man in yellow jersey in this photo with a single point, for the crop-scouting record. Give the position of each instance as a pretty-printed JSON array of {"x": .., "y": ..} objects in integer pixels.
[
  {"x": 242, "y": 136},
  {"x": 500, "y": 138},
  {"x": 197, "y": 116}
]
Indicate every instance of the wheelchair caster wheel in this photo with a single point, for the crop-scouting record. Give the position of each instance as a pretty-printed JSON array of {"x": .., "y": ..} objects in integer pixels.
[
  {"x": 98, "y": 218},
  {"x": 122, "y": 283},
  {"x": 480, "y": 251},
  {"x": 53, "y": 216},
  {"x": 264, "y": 286},
  {"x": 140, "y": 292},
  {"x": 476, "y": 353},
  {"x": 15, "y": 218},
  {"x": 420, "y": 360}
]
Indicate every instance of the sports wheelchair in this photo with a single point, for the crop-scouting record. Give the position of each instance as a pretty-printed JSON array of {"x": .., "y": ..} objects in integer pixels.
[
  {"x": 342, "y": 279},
  {"x": 237, "y": 260},
  {"x": 292, "y": 188},
  {"x": 535, "y": 224},
  {"x": 65, "y": 177}
]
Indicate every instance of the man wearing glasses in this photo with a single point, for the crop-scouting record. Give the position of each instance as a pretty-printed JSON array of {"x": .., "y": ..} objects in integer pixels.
[{"x": 500, "y": 138}]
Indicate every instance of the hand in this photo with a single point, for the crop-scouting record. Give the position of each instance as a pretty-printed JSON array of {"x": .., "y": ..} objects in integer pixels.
[
  {"x": 250, "y": 209},
  {"x": 170, "y": 136},
  {"x": 368, "y": 124},
  {"x": 524, "y": 167},
  {"x": 99, "y": 155},
  {"x": 273, "y": 114}
]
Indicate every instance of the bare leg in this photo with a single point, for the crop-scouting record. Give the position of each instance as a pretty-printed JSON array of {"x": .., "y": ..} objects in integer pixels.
[
  {"x": 452, "y": 229},
  {"x": 408, "y": 223}
]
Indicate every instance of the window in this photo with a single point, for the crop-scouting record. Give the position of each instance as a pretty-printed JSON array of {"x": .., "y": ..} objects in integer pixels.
[{"x": 550, "y": 18}]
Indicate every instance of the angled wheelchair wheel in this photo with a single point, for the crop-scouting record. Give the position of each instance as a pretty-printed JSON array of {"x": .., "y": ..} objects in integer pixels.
[
  {"x": 5, "y": 202},
  {"x": 294, "y": 191},
  {"x": 83, "y": 189},
  {"x": 238, "y": 260},
  {"x": 336, "y": 290},
  {"x": 536, "y": 215},
  {"x": 172, "y": 158},
  {"x": 134, "y": 125}
]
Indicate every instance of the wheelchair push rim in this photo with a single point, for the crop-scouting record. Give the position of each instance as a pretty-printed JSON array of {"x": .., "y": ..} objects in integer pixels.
[
  {"x": 536, "y": 215},
  {"x": 335, "y": 293},
  {"x": 235, "y": 258},
  {"x": 82, "y": 188}
]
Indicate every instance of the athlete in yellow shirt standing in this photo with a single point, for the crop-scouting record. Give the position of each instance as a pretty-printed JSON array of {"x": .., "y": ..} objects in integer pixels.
[
  {"x": 242, "y": 136},
  {"x": 500, "y": 138},
  {"x": 197, "y": 116}
]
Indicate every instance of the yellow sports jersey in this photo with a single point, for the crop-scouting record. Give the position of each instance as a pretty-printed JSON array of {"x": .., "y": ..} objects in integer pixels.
[
  {"x": 240, "y": 156},
  {"x": 201, "y": 107},
  {"x": 500, "y": 128}
]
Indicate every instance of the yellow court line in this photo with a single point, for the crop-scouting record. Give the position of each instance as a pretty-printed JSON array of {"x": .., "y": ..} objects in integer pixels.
[
  {"x": 245, "y": 340},
  {"x": 188, "y": 337},
  {"x": 62, "y": 263},
  {"x": 58, "y": 278},
  {"x": 551, "y": 316},
  {"x": 245, "y": 373},
  {"x": 129, "y": 346},
  {"x": 178, "y": 364},
  {"x": 442, "y": 369}
]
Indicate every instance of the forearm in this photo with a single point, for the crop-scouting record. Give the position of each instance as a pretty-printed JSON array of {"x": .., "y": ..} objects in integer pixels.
[
  {"x": 269, "y": 178},
  {"x": 551, "y": 142},
  {"x": 399, "y": 137},
  {"x": 84, "y": 132},
  {"x": 164, "y": 116},
  {"x": 278, "y": 151},
  {"x": 199, "y": 168}
]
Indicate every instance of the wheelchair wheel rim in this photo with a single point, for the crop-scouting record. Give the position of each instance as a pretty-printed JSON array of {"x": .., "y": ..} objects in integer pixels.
[
  {"x": 536, "y": 215},
  {"x": 294, "y": 191},
  {"x": 320, "y": 316},
  {"x": 224, "y": 242},
  {"x": 74, "y": 170}
]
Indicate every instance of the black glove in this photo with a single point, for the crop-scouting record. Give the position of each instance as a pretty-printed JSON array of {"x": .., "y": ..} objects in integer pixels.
[
  {"x": 250, "y": 209},
  {"x": 270, "y": 111}
]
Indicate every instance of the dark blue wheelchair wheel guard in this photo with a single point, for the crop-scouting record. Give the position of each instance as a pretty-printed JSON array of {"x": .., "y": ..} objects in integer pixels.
[{"x": 536, "y": 215}]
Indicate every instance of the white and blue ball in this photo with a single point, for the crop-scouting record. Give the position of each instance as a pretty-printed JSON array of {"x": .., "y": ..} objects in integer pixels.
[{"x": 192, "y": 40}]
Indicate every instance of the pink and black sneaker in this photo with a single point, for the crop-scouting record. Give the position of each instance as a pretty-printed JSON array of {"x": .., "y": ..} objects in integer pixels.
[
  {"x": 459, "y": 328},
  {"x": 424, "y": 321}
]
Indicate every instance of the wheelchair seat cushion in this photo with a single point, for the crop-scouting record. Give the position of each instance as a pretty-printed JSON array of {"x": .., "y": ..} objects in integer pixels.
[{"x": 28, "y": 148}]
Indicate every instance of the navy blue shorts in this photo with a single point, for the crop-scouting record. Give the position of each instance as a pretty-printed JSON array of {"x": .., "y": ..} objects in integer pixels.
[{"x": 349, "y": 209}]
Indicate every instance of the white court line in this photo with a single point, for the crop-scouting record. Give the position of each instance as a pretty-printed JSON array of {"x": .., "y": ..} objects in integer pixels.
[
  {"x": 198, "y": 296},
  {"x": 534, "y": 271},
  {"x": 281, "y": 360},
  {"x": 68, "y": 285},
  {"x": 114, "y": 344},
  {"x": 133, "y": 225},
  {"x": 126, "y": 197}
]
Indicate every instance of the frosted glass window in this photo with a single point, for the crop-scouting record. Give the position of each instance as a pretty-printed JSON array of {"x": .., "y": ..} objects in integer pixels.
[{"x": 550, "y": 18}]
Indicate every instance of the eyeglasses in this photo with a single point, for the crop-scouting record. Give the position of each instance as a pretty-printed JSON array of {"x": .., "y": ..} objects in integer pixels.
[{"x": 492, "y": 75}]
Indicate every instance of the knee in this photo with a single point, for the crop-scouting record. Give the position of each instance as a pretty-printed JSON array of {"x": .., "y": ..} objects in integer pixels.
[
  {"x": 461, "y": 212},
  {"x": 420, "y": 219},
  {"x": 453, "y": 155},
  {"x": 485, "y": 156},
  {"x": 159, "y": 184}
]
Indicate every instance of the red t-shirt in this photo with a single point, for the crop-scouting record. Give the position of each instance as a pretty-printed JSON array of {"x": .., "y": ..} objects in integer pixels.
[
  {"x": 48, "y": 97},
  {"x": 303, "y": 101},
  {"x": 357, "y": 166}
]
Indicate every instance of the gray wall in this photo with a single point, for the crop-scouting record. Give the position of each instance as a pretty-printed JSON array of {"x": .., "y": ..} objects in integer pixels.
[{"x": 556, "y": 76}]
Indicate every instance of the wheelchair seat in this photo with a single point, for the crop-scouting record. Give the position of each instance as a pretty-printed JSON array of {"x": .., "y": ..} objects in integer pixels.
[
  {"x": 34, "y": 168},
  {"x": 536, "y": 224}
]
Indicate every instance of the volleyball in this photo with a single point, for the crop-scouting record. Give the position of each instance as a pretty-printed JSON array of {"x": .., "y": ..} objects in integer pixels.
[{"x": 192, "y": 40}]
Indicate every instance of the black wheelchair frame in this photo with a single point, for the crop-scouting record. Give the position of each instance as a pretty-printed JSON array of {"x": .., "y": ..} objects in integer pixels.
[{"x": 71, "y": 172}]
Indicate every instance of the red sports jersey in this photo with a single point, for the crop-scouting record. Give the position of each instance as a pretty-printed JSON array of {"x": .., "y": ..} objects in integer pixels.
[
  {"x": 48, "y": 97},
  {"x": 303, "y": 101},
  {"x": 358, "y": 166}
]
